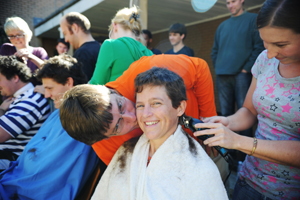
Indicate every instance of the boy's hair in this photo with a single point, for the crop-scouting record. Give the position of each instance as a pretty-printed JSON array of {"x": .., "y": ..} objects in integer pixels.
[
  {"x": 178, "y": 28},
  {"x": 147, "y": 32},
  {"x": 11, "y": 66},
  {"x": 89, "y": 108},
  {"x": 60, "y": 68},
  {"x": 62, "y": 40}
]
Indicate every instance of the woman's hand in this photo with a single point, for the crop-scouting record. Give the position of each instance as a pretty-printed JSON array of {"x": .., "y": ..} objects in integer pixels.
[
  {"x": 217, "y": 119},
  {"x": 39, "y": 89},
  {"x": 223, "y": 136},
  {"x": 6, "y": 103},
  {"x": 23, "y": 53}
]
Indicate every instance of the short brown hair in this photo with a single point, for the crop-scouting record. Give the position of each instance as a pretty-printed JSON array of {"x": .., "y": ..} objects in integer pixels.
[
  {"x": 60, "y": 68},
  {"x": 157, "y": 76},
  {"x": 85, "y": 113}
]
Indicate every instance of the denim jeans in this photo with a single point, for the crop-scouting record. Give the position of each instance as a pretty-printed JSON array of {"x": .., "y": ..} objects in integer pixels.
[
  {"x": 233, "y": 89},
  {"x": 242, "y": 191}
]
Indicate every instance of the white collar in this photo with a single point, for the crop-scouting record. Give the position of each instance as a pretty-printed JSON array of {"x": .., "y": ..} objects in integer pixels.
[{"x": 23, "y": 89}]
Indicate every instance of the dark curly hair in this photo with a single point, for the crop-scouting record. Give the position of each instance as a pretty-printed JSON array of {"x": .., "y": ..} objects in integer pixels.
[{"x": 13, "y": 65}]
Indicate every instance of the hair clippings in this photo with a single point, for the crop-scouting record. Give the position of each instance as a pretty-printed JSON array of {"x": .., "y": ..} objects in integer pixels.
[{"x": 134, "y": 16}]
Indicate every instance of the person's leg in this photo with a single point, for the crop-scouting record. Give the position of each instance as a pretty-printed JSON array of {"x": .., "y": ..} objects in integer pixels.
[
  {"x": 225, "y": 85},
  {"x": 242, "y": 191},
  {"x": 243, "y": 81}
]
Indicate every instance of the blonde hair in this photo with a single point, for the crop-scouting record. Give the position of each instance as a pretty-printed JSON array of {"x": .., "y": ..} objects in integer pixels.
[
  {"x": 129, "y": 19},
  {"x": 17, "y": 23}
]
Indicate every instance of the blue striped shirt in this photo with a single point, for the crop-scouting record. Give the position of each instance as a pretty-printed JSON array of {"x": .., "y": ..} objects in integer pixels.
[{"x": 23, "y": 119}]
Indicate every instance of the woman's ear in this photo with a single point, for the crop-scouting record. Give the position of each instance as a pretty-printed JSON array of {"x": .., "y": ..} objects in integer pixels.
[
  {"x": 115, "y": 27},
  {"x": 181, "y": 108}
]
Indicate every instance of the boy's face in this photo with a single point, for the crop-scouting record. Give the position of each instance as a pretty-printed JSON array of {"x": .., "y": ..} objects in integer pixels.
[
  {"x": 124, "y": 116},
  {"x": 175, "y": 38},
  {"x": 7, "y": 86},
  {"x": 55, "y": 90},
  {"x": 61, "y": 48}
]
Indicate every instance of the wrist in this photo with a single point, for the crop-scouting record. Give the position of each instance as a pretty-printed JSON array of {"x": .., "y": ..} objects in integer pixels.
[
  {"x": 30, "y": 56},
  {"x": 244, "y": 144}
]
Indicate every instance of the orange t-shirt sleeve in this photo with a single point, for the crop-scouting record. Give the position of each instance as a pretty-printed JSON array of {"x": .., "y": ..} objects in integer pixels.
[{"x": 204, "y": 89}]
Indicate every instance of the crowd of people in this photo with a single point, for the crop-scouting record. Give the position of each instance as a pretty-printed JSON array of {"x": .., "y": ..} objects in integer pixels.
[{"x": 118, "y": 106}]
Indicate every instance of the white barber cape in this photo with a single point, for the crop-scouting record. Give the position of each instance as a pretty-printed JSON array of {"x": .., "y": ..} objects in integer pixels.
[{"x": 173, "y": 173}]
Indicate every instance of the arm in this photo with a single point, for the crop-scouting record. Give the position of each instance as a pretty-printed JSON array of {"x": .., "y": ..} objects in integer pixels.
[
  {"x": 24, "y": 53},
  {"x": 204, "y": 89},
  {"x": 281, "y": 152},
  {"x": 257, "y": 47},
  {"x": 4, "y": 135},
  {"x": 39, "y": 89},
  {"x": 21, "y": 116},
  {"x": 214, "y": 51},
  {"x": 104, "y": 64},
  {"x": 247, "y": 112}
]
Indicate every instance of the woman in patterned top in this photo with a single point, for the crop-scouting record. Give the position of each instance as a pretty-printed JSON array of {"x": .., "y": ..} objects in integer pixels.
[{"x": 272, "y": 169}]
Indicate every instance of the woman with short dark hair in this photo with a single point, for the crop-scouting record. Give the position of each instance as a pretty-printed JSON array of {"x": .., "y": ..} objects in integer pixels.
[{"x": 165, "y": 162}]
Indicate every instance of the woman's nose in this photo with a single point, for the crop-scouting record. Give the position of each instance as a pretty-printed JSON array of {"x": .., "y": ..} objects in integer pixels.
[
  {"x": 271, "y": 52},
  {"x": 147, "y": 111}
]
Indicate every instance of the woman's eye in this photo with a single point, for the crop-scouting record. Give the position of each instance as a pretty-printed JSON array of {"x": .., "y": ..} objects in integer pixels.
[
  {"x": 139, "y": 106},
  {"x": 280, "y": 45}
]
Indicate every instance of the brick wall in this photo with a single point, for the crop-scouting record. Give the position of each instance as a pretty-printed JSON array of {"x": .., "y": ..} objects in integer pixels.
[{"x": 200, "y": 38}]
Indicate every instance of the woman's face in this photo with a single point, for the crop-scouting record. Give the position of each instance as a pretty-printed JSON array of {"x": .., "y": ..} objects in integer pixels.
[
  {"x": 20, "y": 41},
  {"x": 281, "y": 43},
  {"x": 156, "y": 116}
]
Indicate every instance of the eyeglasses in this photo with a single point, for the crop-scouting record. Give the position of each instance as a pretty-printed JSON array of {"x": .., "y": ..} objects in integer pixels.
[
  {"x": 12, "y": 37},
  {"x": 120, "y": 123}
]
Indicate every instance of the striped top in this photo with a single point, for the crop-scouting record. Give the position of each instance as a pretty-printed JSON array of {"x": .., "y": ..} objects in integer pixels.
[{"x": 23, "y": 119}]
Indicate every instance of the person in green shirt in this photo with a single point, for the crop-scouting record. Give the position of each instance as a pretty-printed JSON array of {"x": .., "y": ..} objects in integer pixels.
[{"x": 123, "y": 47}]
